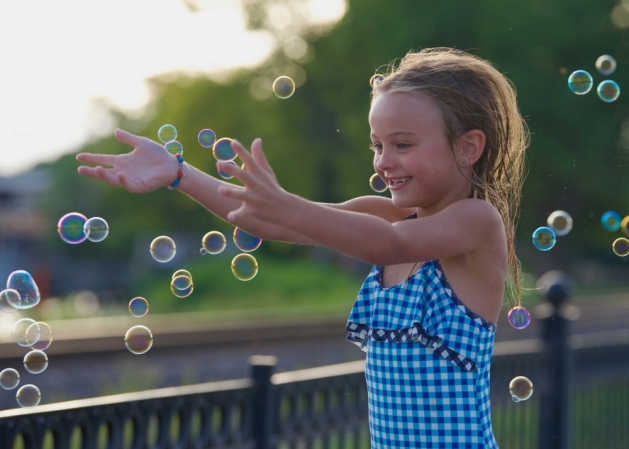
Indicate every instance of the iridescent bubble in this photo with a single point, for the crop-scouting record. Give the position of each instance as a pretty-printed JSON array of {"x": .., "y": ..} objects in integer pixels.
[
  {"x": 245, "y": 241},
  {"x": 214, "y": 242},
  {"x": 606, "y": 65},
  {"x": 138, "y": 307},
  {"x": 71, "y": 228},
  {"x": 377, "y": 184},
  {"x": 608, "y": 91},
  {"x": 36, "y": 362},
  {"x": 222, "y": 150},
  {"x": 9, "y": 378},
  {"x": 226, "y": 175},
  {"x": 375, "y": 79},
  {"x": 174, "y": 147},
  {"x": 28, "y": 396},
  {"x": 244, "y": 267},
  {"x": 181, "y": 282},
  {"x": 621, "y": 247},
  {"x": 45, "y": 336},
  {"x": 521, "y": 388},
  {"x": 25, "y": 285},
  {"x": 9, "y": 300},
  {"x": 138, "y": 339},
  {"x": 163, "y": 249},
  {"x": 580, "y": 82},
  {"x": 181, "y": 293},
  {"x": 203, "y": 251},
  {"x": 519, "y": 317},
  {"x": 180, "y": 272},
  {"x": 96, "y": 229},
  {"x": 624, "y": 225},
  {"x": 283, "y": 87},
  {"x": 19, "y": 329},
  {"x": 167, "y": 133},
  {"x": 611, "y": 221},
  {"x": 207, "y": 138},
  {"x": 560, "y": 222},
  {"x": 544, "y": 238}
]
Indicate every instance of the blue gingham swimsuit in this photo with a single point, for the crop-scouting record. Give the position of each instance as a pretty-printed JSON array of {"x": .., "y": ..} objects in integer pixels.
[{"x": 428, "y": 359}]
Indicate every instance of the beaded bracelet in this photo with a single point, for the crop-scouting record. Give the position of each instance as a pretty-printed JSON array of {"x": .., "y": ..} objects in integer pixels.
[{"x": 179, "y": 173}]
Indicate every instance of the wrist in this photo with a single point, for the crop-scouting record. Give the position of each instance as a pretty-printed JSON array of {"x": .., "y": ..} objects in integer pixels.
[{"x": 179, "y": 174}]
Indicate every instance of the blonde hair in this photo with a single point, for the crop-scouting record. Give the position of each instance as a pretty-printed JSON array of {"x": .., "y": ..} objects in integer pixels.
[{"x": 473, "y": 94}]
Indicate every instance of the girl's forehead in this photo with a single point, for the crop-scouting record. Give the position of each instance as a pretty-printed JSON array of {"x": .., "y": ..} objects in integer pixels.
[{"x": 403, "y": 109}]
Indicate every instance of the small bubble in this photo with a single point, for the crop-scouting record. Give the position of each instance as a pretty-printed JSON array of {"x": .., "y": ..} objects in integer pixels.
[
  {"x": 41, "y": 334},
  {"x": 521, "y": 388},
  {"x": 9, "y": 378},
  {"x": 138, "y": 307},
  {"x": 138, "y": 339},
  {"x": 611, "y": 221},
  {"x": 214, "y": 242},
  {"x": 606, "y": 65},
  {"x": 580, "y": 82},
  {"x": 71, "y": 228},
  {"x": 283, "y": 87},
  {"x": 223, "y": 151},
  {"x": 174, "y": 147},
  {"x": 245, "y": 241},
  {"x": 182, "y": 293},
  {"x": 621, "y": 247},
  {"x": 560, "y": 222},
  {"x": 519, "y": 317},
  {"x": 544, "y": 238},
  {"x": 10, "y": 300},
  {"x": 244, "y": 267},
  {"x": 96, "y": 229},
  {"x": 163, "y": 249},
  {"x": 181, "y": 282},
  {"x": 226, "y": 175},
  {"x": 608, "y": 91},
  {"x": 167, "y": 133},
  {"x": 36, "y": 362},
  {"x": 207, "y": 138},
  {"x": 19, "y": 329},
  {"x": 28, "y": 396},
  {"x": 377, "y": 184}
]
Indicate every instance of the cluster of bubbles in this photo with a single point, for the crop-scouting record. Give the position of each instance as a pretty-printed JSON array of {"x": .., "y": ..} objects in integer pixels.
[
  {"x": 22, "y": 293},
  {"x": 181, "y": 284},
  {"x": 244, "y": 266},
  {"x": 580, "y": 82},
  {"x": 75, "y": 228},
  {"x": 138, "y": 339},
  {"x": 559, "y": 223},
  {"x": 612, "y": 222}
]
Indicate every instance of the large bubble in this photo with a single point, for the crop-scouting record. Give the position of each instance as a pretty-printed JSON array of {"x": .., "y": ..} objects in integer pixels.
[
  {"x": 39, "y": 335},
  {"x": 245, "y": 241},
  {"x": 163, "y": 249},
  {"x": 214, "y": 242},
  {"x": 71, "y": 228},
  {"x": 207, "y": 138},
  {"x": 174, "y": 147},
  {"x": 244, "y": 267},
  {"x": 28, "y": 396},
  {"x": 167, "y": 133},
  {"x": 25, "y": 285},
  {"x": 9, "y": 378},
  {"x": 138, "y": 307},
  {"x": 9, "y": 300},
  {"x": 580, "y": 82},
  {"x": 223, "y": 151},
  {"x": 36, "y": 362},
  {"x": 18, "y": 332},
  {"x": 96, "y": 229},
  {"x": 138, "y": 339},
  {"x": 608, "y": 91}
]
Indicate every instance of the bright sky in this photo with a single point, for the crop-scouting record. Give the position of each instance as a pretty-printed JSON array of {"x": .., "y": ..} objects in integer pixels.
[{"x": 59, "y": 56}]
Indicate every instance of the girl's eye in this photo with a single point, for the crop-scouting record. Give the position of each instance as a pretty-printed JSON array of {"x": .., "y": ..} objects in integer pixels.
[
  {"x": 375, "y": 147},
  {"x": 403, "y": 146}
]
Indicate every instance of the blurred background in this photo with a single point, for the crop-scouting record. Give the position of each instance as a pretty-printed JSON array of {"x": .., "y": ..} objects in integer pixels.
[{"x": 77, "y": 70}]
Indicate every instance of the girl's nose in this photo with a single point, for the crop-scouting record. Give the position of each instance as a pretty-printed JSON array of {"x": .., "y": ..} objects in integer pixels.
[{"x": 385, "y": 161}]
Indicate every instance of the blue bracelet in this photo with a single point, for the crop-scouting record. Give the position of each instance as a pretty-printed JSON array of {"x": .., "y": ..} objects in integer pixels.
[{"x": 179, "y": 173}]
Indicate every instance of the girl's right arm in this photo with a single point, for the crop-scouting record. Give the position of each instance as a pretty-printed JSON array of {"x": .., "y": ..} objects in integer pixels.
[{"x": 149, "y": 166}]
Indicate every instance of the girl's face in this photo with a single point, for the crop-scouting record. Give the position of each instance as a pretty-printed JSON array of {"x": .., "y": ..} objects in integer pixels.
[{"x": 412, "y": 153}]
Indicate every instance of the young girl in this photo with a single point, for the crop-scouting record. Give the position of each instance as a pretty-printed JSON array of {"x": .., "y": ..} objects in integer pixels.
[{"x": 449, "y": 141}]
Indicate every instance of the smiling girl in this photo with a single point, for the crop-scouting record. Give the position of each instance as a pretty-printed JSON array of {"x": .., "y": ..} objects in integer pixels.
[{"x": 449, "y": 141}]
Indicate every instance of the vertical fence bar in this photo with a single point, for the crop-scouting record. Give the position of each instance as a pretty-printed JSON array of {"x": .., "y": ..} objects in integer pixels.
[{"x": 262, "y": 368}]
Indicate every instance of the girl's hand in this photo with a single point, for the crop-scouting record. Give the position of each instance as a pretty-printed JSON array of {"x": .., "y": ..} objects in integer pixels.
[
  {"x": 148, "y": 167},
  {"x": 261, "y": 194}
]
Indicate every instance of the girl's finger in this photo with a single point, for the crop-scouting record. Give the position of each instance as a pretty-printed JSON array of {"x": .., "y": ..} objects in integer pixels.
[
  {"x": 98, "y": 159},
  {"x": 235, "y": 192},
  {"x": 234, "y": 170},
  {"x": 88, "y": 171},
  {"x": 258, "y": 155},
  {"x": 242, "y": 153},
  {"x": 128, "y": 138},
  {"x": 108, "y": 175},
  {"x": 122, "y": 179}
]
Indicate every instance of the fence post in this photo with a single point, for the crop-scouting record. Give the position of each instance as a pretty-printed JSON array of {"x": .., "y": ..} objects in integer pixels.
[
  {"x": 555, "y": 388},
  {"x": 262, "y": 408}
]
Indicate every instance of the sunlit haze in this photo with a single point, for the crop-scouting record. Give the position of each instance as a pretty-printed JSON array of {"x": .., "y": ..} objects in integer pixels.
[{"x": 63, "y": 60}]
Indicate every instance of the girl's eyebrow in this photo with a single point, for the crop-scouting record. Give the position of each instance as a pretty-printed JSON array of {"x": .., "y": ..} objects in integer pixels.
[{"x": 397, "y": 133}]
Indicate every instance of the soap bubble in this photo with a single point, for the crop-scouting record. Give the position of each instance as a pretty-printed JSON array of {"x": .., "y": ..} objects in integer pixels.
[
  {"x": 41, "y": 334},
  {"x": 96, "y": 229},
  {"x": 544, "y": 238},
  {"x": 181, "y": 272},
  {"x": 624, "y": 225},
  {"x": 375, "y": 79},
  {"x": 174, "y": 147},
  {"x": 10, "y": 300},
  {"x": 163, "y": 249},
  {"x": 520, "y": 388},
  {"x": 181, "y": 282},
  {"x": 214, "y": 242},
  {"x": 245, "y": 241},
  {"x": 25, "y": 285},
  {"x": 519, "y": 317},
  {"x": 183, "y": 293},
  {"x": 377, "y": 184},
  {"x": 138, "y": 307},
  {"x": 9, "y": 378},
  {"x": 560, "y": 222},
  {"x": 167, "y": 133},
  {"x": 580, "y": 82},
  {"x": 207, "y": 138},
  {"x": 223, "y": 151},
  {"x": 244, "y": 267},
  {"x": 283, "y": 87},
  {"x": 71, "y": 228},
  {"x": 606, "y": 65},
  {"x": 19, "y": 329},
  {"x": 36, "y": 362},
  {"x": 226, "y": 175},
  {"x": 28, "y": 396},
  {"x": 138, "y": 339},
  {"x": 621, "y": 247},
  {"x": 611, "y": 221},
  {"x": 203, "y": 251},
  {"x": 608, "y": 91}
]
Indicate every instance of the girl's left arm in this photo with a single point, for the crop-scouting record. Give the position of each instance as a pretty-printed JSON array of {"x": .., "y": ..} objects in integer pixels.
[{"x": 461, "y": 227}]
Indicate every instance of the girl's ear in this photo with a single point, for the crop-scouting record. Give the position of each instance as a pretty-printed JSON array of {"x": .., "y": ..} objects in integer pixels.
[{"x": 470, "y": 147}]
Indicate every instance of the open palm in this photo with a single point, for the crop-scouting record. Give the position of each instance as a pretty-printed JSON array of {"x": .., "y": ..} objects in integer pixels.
[{"x": 148, "y": 167}]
